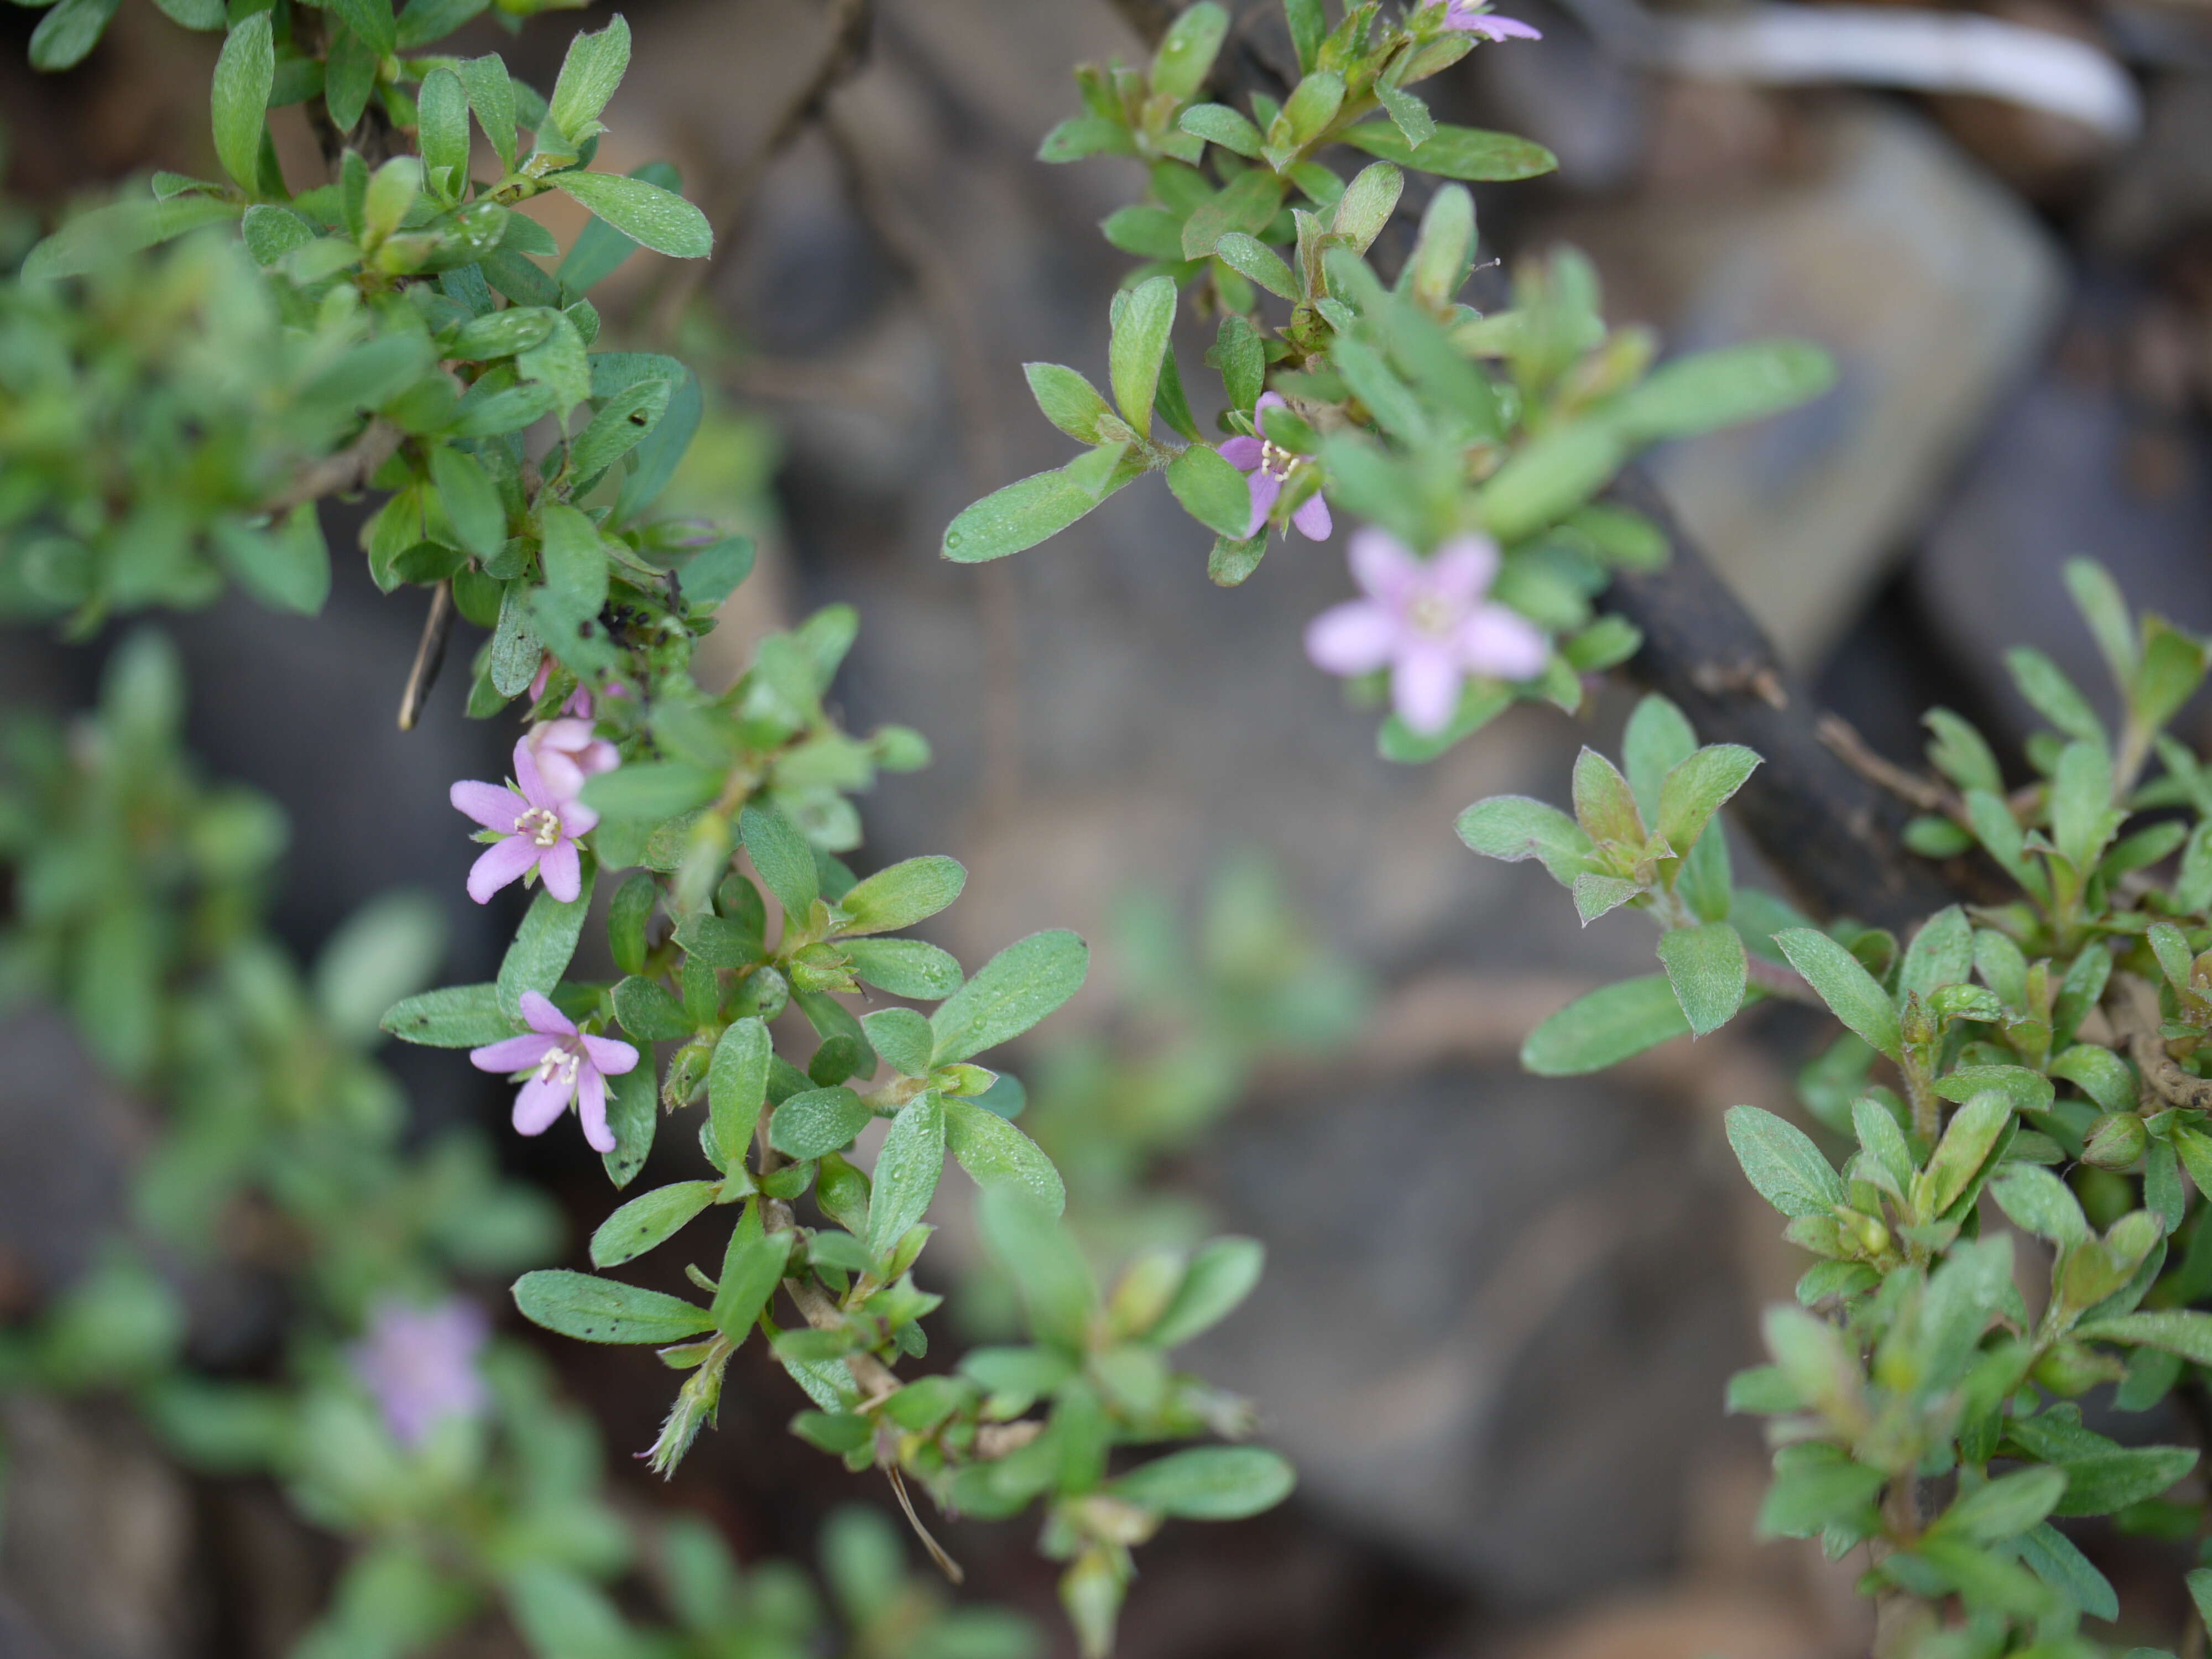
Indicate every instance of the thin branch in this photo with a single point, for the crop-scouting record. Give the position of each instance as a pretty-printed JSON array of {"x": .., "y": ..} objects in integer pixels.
[
  {"x": 2135, "y": 1013},
  {"x": 1913, "y": 789},
  {"x": 351, "y": 468},
  {"x": 842, "y": 54},
  {"x": 429, "y": 655}
]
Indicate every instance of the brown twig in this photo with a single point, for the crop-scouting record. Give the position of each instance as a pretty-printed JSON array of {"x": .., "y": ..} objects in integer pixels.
[
  {"x": 1913, "y": 789},
  {"x": 843, "y": 52},
  {"x": 351, "y": 468},
  {"x": 429, "y": 655},
  {"x": 2135, "y": 1014}
]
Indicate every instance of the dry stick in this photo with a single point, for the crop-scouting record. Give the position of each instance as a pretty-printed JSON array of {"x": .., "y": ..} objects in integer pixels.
[
  {"x": 429, "y": 655},
  {"x": 918, "y": 255},
  {"x": 350, "y": 469},
  {"x": 2135, "y": 1013},
  {"x": 844, "y": 52}
]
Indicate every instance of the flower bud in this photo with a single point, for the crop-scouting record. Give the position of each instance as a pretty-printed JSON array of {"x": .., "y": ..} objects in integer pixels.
[
  {"x": 1866, "y": 1231},
  {"x": 2115, "y": 1140},
  {"x": 2070, "y": 1370}
]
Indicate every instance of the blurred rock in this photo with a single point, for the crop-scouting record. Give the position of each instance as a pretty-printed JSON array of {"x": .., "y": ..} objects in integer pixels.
[{"x": 1932, "y": 287}]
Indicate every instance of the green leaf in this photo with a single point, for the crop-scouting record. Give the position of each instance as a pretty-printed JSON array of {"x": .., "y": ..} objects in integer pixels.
[
  {"x": 1781, "y": 1161},
  {"x": 904, "y": 967},
  {"x": 783, "y": 858},
  {"x": 1249, "y": 203},
  {"x": 1516, "y": 827},
  {"x": 1714, "y": 389},
  {"x": 575, "y": 562},
  {"x": 2054, "y": 697},
  {"x": 1967, "y": 1142},
  {"x": 1705, "y": 965},
  {"x": 593, "y": 1310},
  {"x": 2105, "y": 1481},
  {"x": 1069, "y": 401},
  {"x": 2054, "y": 1559},
  {"x": 1024, "y": 512},
  {"x": 907, "y": 1171},
  {"x": 2200, "y": 1592},
  {"x": 451, "y": 1016},
  {"x": 1140, "y": 339},
  {"x": 1803, "y": 1500},
  {"x": 373, "y": 21},
  {"x": 648, "y": 1219},
  {"x": 651, "y": 790},
  {"x": 1367, "y": 203},
  {"x": 1219, "y": 1277},
  {"x": 66, "y": 35},
  {"x": 1605, "y": 1027},
  {"x": 1218, "y": 123},
  {"x": 491, "y": 97},
  {"x": 590, "y": 73},
  {"x": 624, "y": 421},
  {"x": 902, "y": 1037},
  {"x": 752, "y": 1267},
  {"x": 1208, "y": 1483},
  {"x": 1941, "y": 953},
  {"x": 471, "y": 500},
  {"x": 737, "y": 1087},
  {"x": 1185, "y": 55},
  {"x": 1055, "y": 1281},
  {"x": 104, "y": 234},
  {"x": 2173, "y": 1330},
  {"x": 1694, "y": 791},
  {"x": 544, "y": 945},
  {"x": 817, "y": 1122},
  {"x": 1466, "y": 152},
  {"x": 633, "y": 1112},
  {"x": 648, "y": 1012},
  {"x": 650, "y": 216},
  {"x": 443, "y": 126},
  {"x": 2034, "y": 1199},
  {"x": 1252, "y": 257},
  {"x": 908, "y": 891},
  {"x": 2004, "y": 1508},
  {"x": 286, "y": 567},
  {"x": 1210, "y": 491},
  {"x": 1843, "y": 982},
  {"x": 243, "y": 77},
  {"x": 1010, "y": 994},
  {"x": 995, "y": 1154}
]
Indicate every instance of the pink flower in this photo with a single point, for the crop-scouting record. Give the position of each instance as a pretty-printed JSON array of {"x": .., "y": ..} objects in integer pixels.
[
  {"x": 420, "y": 1364},
  {"x": 564, "y": 1064},
  {"x": 568, "y": 752},
  {"x": 1270, "y": 466},
  {"x": 1462, "y": 14},
  {"x": 580, "y": 700},
  {"x": 1427, "y": 621},
  {"x": 538, "y": 830}
]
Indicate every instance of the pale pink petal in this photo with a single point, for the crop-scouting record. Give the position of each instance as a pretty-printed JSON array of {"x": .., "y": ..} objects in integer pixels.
[
  {"x": 526, "y": 774},
  {"x": 1268, "y": 400},
  {"x": 1355, "y": 637},
  {"x": 540, "y": 680},
  {"x": 579, "y": 703},
  {"x": 576, "y": 819},
  {"x": 1266, "y": 486},
  {"x": 513, "y": 1053},
  {"x": 501, "y": 862},
  {"x": 1462, "y": 569},
  {"x": 493, "y": 805},
  {"x": 596, "y": 757},
  {"x": 611, "y": 1055},
  {"x": 1497, "y": 641},
  {"x": 1312, "y": 518},
  {"x": 1382, "y": 565},
  {"x": 560, "y": 772},
  {"x": 1425, "y": 687},
  {"x": 539, "y": 1014},
  {"x": 538, "y": 1103},
  {"x": 557, "y": 867},
  {"x": 1502, "y": 28},
  {"x": 592, "y": 1108},
  {"x": 1243, "y": 453}
]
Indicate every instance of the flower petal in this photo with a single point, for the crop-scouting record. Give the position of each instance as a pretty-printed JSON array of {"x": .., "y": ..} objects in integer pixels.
[
  {"x": 527, "y": 774},
  {"x": 501, "y": 862},
  {"x": 1355, "y": 637},
  {"x": 492, "y": 805},
  {"x": 1462, "y": 569},
  {"x": 1502, "y": 28},
  {"x": 1425, "y": 687},
  {"x": 611, "y": 1055},
  {"x": 576, "y": 819},
  {"x": 1266, "y": 486},
  {"x": 538, "y": 1103},
  {"x": 539, "y": 1014},
  {"x": 1312, "y": 518},
  {"x": 558, "y": 868},
  {"x": 1384, "y": 567},
  {"x": 1268, "y": 400},
  {"x": 561, "y": 773},
  {"x": 1497, "y": 641},
  {"x": 591, "y": 1107},
  {"x": 513, "y": 1053},
  {"x": 1243, "y": 453},
  {"x": 541, "y": 678}
]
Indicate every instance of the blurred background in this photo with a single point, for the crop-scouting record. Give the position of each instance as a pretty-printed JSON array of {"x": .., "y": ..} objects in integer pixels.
[{"x": 1499, "y": 1311}]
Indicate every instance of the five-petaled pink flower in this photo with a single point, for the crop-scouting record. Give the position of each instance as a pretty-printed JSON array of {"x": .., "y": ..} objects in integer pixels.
[
  {"x": 1462, "y": 14},
  {"x": 420, "y": 1364},
  {"x": 1270, "y": 466},
  {"x": 564, "y": 1064},
  {"x": 537, "y": 828},
  {"x": 1428, "y": 621}
]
